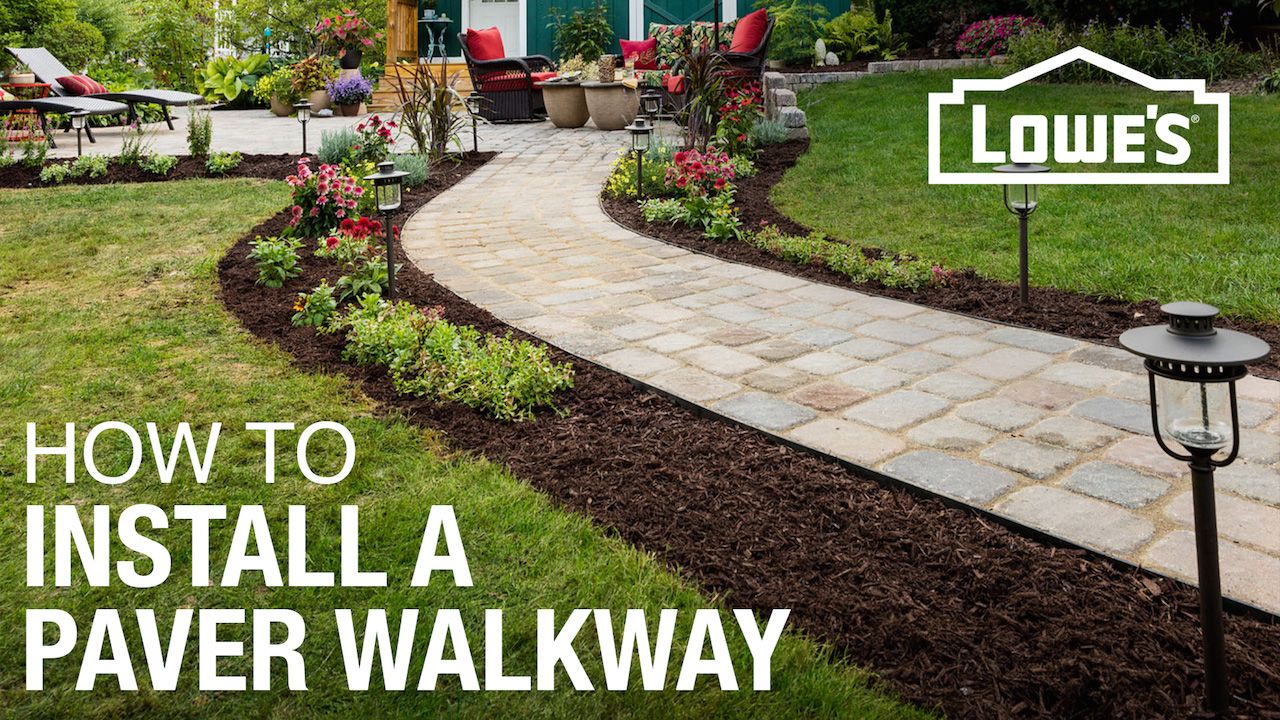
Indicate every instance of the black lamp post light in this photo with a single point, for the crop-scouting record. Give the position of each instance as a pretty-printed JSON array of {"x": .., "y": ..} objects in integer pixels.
[
  {"x": 651, "y": 103},
  {"x": 386, "y": 192},
  {"x": 473, "y": 102},
  {"x": 640, "y": 130},
  {"x": 1022, "y": 200},
  {"x": 79, "y": 118},
  {"x": 304, "y": 114},
  {"x": 1192, "y": 370}
]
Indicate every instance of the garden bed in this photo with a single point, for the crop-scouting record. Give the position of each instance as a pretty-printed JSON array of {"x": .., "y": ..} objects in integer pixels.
[
  {"x": 1088, "y": 318},
  {"x": 273, "y": 167},
  {"x": 954, "y": 612}
]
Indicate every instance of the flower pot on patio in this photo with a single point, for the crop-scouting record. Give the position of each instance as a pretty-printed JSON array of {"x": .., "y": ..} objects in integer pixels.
[
  {"x": 612, "y": 105},
  {"x": 319, "y": 100},
  {"x": 22, "y": 78},
  {"x": 282, "y": 109},
  {"x": 350, "y": 110},
  {"x": 566, "y": 104},
  {"x": 350, "y": 59}
]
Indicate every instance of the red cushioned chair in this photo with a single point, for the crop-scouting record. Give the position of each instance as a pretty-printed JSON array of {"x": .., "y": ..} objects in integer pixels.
[
  {"x": 508, "y": 83},
  {"x": 750, "y": 45}
]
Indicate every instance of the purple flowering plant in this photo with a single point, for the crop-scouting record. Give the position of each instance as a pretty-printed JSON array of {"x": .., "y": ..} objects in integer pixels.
[
  {"x": 349, "y": 90},
  {"x": 989, "y": 37}
]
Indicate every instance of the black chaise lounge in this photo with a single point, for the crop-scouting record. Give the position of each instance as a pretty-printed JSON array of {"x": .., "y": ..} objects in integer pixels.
[
  {"x": 48, "y": 69},
  {"x": 91, "y": 105}
]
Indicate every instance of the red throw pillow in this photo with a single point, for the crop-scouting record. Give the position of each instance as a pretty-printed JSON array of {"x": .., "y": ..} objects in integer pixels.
[
  {"x": 749, "y": 31},
  {"x": 81, "y": 85},
  {"x": 486, "y": 44},
  {"x": 644, "y": 51}
]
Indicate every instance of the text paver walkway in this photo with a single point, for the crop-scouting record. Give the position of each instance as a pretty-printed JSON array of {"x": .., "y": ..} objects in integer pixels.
[{"x": 1049, "y": 431}]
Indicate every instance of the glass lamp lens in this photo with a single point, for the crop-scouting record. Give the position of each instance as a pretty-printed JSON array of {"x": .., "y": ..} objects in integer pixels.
[
  {"x": 640, "y": 140},
  {"x": 388, "y": 196},
  {"x": 1022, "y": 197},
  {"x": 1197, "y": 415}
]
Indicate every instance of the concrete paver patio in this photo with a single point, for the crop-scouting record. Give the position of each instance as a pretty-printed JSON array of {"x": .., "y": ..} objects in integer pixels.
[{"x": 1048, "y": 431}]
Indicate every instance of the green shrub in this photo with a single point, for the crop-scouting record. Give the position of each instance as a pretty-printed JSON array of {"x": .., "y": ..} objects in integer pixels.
[
  {"x": 1186, "y": 52},
  {"x": 428, "y": 356},
  {"x": 157, "y": 164},
  {"x": 314, "y": 309},
  {"x": 335, "y": 145},
  {"x": 895, "y": 271},
  {"x": 94, "y": 166},
  {"x": 134, "y": 145},
  {"x": 924, "y": 20},
  {"x": 417, "y": 166},
  {"x": 221, "y": 163},
  {"x": 585, "y": 32},
  {"x": 797, "y": 25},
  {"x": 662, "y": 210},
  {"x": 227, "y": 78},
  {"x": 278, "y": 84},
  {"x": 74, "y": 42},
  {"x": 768, "y": 132},
  {"x": 54, "y": 174},
  {"x": 199, "y": 132},
  {"x": 857, "y": 34},
  {"x": 173, "y": 42},
  {"x": 277, "y": 260},
  {"x": 34, "y": 152},
  {"x": 714, "y": 215},
  {"x": 365, "y": 276},
  {"x": 112, "y": 18},
  {"x": 1271, "y": 83},
  {"x": 1142, "y": 12}
]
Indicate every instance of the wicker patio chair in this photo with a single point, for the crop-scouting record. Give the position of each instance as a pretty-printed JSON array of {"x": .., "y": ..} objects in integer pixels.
[
  {"x": 507, "y": 83},
  {"x": 48, "y": 69}
]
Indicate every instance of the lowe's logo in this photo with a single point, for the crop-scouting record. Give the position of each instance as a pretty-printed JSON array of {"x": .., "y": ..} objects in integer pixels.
[{"x": 1162, "y": 143}]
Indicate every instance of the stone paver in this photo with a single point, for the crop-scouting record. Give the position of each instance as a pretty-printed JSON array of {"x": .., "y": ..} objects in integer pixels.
[{"x": 1049, "y": 431}]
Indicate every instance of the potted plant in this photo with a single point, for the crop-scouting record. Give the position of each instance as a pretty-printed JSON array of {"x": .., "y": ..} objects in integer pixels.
[
  {"x": 309, "y": 78},
  {"x": 276, "y": 90},
  {"x": 21, "y": 75},
  {"x": 428, "y": 9},
  {"x": 346, "y": 34},
  {"x": 564, "y": 98},
  {"x": 348, "y": 92}
]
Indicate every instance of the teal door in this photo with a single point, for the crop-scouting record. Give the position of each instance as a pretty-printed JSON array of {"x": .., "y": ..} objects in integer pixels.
[{"x": 679, "y": 12}]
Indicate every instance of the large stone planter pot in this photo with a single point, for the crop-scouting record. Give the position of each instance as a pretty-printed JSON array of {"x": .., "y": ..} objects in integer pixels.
[
  {"x": 566, "y": 104},
  {"x": 319, "y": 100},
  {"x": 280, "y": 108},
  {"x": 612, "y": 105}
]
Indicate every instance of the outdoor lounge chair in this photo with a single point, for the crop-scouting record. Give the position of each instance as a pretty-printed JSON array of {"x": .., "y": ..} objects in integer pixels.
[
  {"x": 94, "y": 106},
  {"x": 48, "y": 69},
  {"x": 508, "y": 83}
]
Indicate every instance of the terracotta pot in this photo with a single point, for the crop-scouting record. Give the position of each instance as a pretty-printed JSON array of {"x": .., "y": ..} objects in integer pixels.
[
  {"x": 566, "y": 104},
  {"x": 349, "y": 110},
  {"x": 319, "y": 100},
  {"x": 280, "y": 108},
  {"x": 350, "y": 59},
  {"x": 612, "y": 105}
]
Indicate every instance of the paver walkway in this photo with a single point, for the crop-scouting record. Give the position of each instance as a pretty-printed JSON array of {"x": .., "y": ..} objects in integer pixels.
[{"x": 1049, "y": 431}]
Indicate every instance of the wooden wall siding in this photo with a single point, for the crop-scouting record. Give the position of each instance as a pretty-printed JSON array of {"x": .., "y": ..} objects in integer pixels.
[{"x": 402, "y": 30}]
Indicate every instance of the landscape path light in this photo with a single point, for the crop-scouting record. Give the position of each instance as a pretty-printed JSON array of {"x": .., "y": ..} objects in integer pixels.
[
  {"x": 651, "y": 101},
  {"x": 79, "y": 118},
  {"x": 1192, "y": 370},
  {"x": 473, "y": 102},
  {"x": 304, "y": 114},
  {"x": 1022, "y": 200},
  {"x": 640, "y": 130},
  {"x": 386, "y": 193}
]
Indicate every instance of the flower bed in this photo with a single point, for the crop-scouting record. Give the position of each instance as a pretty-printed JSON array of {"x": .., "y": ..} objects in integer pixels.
[
  {"x": 271, "y": 167},
  {"x": 898, "y": 584},
  {"x": 963, "y": 291}
]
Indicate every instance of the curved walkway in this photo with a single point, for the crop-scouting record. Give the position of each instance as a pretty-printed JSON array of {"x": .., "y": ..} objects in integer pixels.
[{"x": 1046, "y": 430}]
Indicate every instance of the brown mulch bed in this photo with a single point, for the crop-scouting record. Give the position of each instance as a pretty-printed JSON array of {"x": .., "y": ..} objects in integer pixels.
[
  {"x": 952, "y": 611},
  {"x": 273, "y": 167},
  {"x": 1098, "y": 319}
]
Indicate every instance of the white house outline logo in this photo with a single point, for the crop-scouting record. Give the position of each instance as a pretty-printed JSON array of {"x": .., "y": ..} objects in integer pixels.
[{"x": 1199, "y": 97}]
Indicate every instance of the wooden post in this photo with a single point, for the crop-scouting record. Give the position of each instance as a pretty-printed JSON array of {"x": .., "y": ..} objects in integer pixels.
[{"x": 402, "y": 31}]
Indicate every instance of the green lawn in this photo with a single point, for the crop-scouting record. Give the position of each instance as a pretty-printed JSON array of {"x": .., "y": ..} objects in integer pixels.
[
  {"x": 864, "y": 180},
  {"x": 108, "y": 311}
]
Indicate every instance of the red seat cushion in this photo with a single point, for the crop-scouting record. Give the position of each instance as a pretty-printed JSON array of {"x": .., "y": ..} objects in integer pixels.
[
  {"x": 81, "y": 85},
  {"x": 485, "y": 44},
  {"x": 749, "y": 31},
  {"x": 499, "y": 82},
  {"x": 674, "y": 84},
  {"x": 645, "y": 52}
]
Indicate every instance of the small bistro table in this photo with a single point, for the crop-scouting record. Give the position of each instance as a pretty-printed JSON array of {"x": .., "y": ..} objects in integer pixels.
[{"x": 612, "y": 105}]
